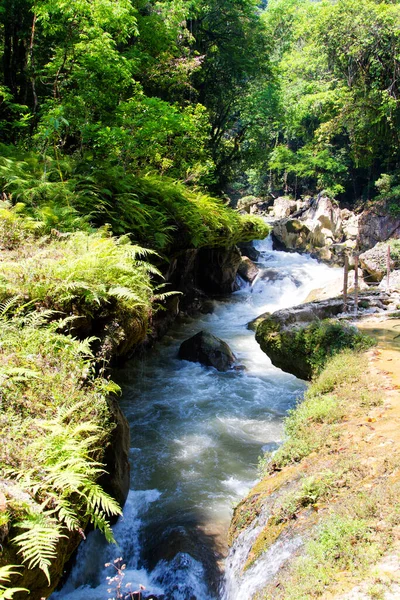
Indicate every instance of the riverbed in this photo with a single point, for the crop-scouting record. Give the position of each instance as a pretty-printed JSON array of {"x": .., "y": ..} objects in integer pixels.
[{"x": 196, "y": 437}]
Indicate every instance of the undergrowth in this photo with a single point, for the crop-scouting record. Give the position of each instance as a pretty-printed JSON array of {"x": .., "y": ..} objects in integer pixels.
[
  {"x": 54, "y": 415},
  {"x": 327, "y": 401},
  {"x": 158, "y": 212}
]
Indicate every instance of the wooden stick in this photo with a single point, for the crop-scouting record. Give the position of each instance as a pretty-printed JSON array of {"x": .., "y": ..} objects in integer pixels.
[
  {"x": 346, "y": 280},
  {"x": 356, "y": 285}
]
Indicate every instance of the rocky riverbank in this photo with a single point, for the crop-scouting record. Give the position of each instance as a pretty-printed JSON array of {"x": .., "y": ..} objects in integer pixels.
[
  {"x": 65, "y": 457},
  {"x": 323, "y": 520}
]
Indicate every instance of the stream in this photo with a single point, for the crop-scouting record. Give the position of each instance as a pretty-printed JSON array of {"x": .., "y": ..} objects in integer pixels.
[{"x": 196, "y": 436}]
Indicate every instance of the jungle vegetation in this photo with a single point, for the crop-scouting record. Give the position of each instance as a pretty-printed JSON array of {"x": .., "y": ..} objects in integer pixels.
[{"x": 122, "y": 125}]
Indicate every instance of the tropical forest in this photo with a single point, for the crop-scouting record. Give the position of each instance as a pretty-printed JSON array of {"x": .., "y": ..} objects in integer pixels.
[{"x": 199, "y": 299}]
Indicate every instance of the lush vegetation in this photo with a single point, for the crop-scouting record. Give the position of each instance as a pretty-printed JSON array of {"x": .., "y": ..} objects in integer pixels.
[
  {"x": 333, "y": 124},
  {"x": 114, "y": 125},
  {"x": 122, "y": 125},
  {"x": 311, "y": 344}
]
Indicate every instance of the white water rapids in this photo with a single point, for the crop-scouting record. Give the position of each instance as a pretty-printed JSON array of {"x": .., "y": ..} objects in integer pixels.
[{"x": 196, "y": 436}]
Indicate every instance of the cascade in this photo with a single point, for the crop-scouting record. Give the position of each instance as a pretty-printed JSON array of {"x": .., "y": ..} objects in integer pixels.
[{"x": 196, "y": 435}]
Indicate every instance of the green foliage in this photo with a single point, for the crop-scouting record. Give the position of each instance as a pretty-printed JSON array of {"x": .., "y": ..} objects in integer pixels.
[
  {"x": 159, "y": 212},
  {"x": 7, "y": 593},
  {"x": 335, "y": 97},
  {"x": 329, "y": 398},
  {"x": 54, "y": 413}
]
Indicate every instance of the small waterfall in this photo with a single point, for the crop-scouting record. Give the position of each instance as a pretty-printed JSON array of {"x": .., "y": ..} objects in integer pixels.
[{"x": 196, "y": 438}]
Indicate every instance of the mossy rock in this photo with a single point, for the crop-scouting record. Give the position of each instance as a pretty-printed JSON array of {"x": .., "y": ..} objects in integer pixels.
[{"x": 304, "y": 349}]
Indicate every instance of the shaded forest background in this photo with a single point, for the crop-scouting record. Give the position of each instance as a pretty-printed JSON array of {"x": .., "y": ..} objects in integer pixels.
[{"x": 105, "y": 103}]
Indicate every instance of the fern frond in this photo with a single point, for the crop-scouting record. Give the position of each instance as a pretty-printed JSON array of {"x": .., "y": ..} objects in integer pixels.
[
  {"x": 38, "y": 544},
  {"x": 6, "y": 573},
  {"x": 6, "y": 306},
  {"x": 100, "y": 522}
]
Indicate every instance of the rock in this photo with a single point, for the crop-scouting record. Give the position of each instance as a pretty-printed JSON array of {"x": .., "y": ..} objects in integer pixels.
[
  {"x": 377, "y": 225},
  {"x": 394, "y": 281},
  {"x": 116, "y": 480},
  {"x": 373, "y": 261},
  {"x": 245, "y": 203},
  {"x": 208, "y": 350},
  {"x": 335, "y": 287},
  {"x": 317, "y": 227},
  {"x": 272, "y": 274},
  {"x": 248, "y": 270},
  {"x": 291, "y": 234},
  {"x": 299, "y": 339},
  {"x": 350, "y": 224},
  {"x": 217, "y": 269},
  {"x": 248, "y": 249},
  {"x": 283, "y": 207}
]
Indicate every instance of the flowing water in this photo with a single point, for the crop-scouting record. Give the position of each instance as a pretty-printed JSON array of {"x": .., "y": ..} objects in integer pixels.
[{"x": 196, "y": 436}]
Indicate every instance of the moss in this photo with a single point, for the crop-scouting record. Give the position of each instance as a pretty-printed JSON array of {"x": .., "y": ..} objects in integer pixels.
[
  {"x": 304, "y": 350},
  {"x": 265, "y": 539}
]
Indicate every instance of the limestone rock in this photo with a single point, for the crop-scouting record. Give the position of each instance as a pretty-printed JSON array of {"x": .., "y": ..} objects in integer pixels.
[
  {"x": 286, "y": 336},
  {"x": 335, "y": 287},
  {"x": 373, "y": 261},
  {"x": 248, "y": 270},
  {"x": 394, "y": 282},
  {"x": 377, "y": 225},
  {"x": 291, "y": 234},
  {"x": 208, "y": 350},
  {"x": 283, "y": 207}
]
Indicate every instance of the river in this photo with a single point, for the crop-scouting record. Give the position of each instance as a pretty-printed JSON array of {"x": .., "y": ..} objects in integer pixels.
[{"x": 196, "y": 436}]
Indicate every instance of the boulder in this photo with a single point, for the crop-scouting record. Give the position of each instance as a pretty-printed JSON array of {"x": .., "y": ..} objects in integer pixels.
[
  {"x": 317, "y": 227},
  {"x": 394, "y": 282},
  {"x": 373, "y": 262},
  {"x": 350, "y": 224},
  {"x": 245, "y": 204},
  {"x": 208, "y": 350},
  {"x": 283, "y": 207},
  {"x": 298, "y": 340},
  {"x": 248, "y": 270},
  {"x": 217, "y": 269},
  {"x": 335, "y": 287},
  {"x": 377, "y": 224},
  {"x": 291, "y": 234},
  {"x": 248, "y": 249}
]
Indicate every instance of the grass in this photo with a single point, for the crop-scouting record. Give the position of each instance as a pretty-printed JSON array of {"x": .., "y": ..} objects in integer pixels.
[
  {"x": 345, "y": 545},
  {"x": 329, "y": 399}
]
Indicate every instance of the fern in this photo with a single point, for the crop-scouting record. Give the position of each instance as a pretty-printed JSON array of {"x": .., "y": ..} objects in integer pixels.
[
  {"x": 6, "y": 574},
  {"x": 38, "y": 543}
]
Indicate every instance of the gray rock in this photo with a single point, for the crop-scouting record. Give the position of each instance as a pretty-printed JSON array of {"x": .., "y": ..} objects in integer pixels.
[
  {"x": 208, "y": 350},
  {"x": 283, "y": 207},
  {"x": 248, "y": 249},
  {"x": 377, "y": 225},
  {"x": 373, "y": 261},
  {"x": 248, "y": 270}
]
